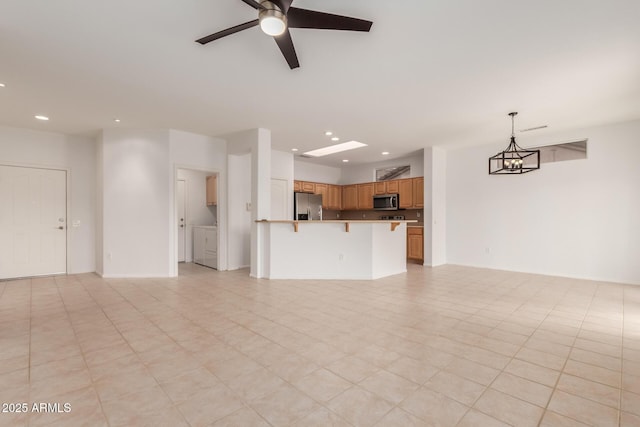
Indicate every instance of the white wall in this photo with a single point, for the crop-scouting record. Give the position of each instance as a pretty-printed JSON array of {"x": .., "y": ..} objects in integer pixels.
[
  {"x": 22, "y": 147},
  {"x": 196, "y": 210},
  {"x": 282, "y": 167},
  {"x": 239, "y": 222},
  {"x": 137, "y": 182},
  {"x": 306, "y": 171},
  {"x": 576, "y": 218},
  {"x": 354, "y": 174}
]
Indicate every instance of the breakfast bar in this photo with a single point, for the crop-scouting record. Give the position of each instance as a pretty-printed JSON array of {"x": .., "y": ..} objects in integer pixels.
[{"x": 333, "y": 249}]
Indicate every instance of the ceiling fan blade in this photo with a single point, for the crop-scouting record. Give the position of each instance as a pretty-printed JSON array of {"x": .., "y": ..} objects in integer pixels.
[
  {"x": 285, "y": 43},
  {"x": 228, "y": 31},
  {"x": 254, "y": 4},
  {"x": 305, "y": 18}
]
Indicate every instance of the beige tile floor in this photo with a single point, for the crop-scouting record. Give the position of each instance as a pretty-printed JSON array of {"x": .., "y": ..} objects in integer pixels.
[{"x": 451, "y": 346}]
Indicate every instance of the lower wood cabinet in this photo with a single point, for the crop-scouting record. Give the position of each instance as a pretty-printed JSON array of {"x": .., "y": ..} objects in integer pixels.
[{"x": 415, "y": 243}]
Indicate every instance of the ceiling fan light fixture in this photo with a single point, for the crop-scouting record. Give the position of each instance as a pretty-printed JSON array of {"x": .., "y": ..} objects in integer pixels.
[{"x": 272, "y": 21}]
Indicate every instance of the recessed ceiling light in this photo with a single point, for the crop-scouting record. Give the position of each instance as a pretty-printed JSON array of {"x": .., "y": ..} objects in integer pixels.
[
  {"x": 345, "y": 161},
  {"x": 328, "y": 133},
  {"x": 335, "y": 138},
  {"x": 385, "y": 153},
  {"x": 337, "y": 148},
  {"x": 2, "y": 85},
  {"x": 294, "y": 149},
  {"x": 45, "y": 118},
  {"x": 116, "y": 120}
]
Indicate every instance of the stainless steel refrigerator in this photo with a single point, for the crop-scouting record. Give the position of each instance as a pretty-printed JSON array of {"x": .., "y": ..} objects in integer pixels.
[{"x": 307, "y": 206}]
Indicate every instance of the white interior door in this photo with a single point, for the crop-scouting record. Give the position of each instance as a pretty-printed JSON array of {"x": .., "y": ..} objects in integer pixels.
[
  {"x": 181, "y": 201},
  {"x": 279, "y": 200},
  {"x": 33, "y": 222}
]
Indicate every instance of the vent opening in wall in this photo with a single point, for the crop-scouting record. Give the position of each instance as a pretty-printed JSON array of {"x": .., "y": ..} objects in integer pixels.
[
  {"x": 560, "y": 152},
  {"x": 398, "y": 172}
]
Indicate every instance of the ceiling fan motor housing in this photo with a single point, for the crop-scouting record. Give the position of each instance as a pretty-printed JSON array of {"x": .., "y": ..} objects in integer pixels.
[{"x": 272, "y": 20}]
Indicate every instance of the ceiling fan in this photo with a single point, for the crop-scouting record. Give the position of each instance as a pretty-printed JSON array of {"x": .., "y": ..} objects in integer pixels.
[{"x": 275, "y": 17}]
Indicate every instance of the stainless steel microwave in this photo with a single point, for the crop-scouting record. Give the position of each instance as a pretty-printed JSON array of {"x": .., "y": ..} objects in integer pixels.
[{"x": 386, "y": 202}]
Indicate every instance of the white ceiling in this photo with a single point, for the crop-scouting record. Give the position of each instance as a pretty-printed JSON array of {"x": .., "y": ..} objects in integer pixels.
[{"x": 428, "y": 73}]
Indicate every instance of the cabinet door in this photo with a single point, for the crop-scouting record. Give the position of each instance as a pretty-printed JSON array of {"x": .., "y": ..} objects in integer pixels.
[
  {"x": 335, "y": 197},
  {"x": 393, "y": 187},
  {"x": 415, "y": 243},
  {"x": 297, "y": 186},
  {"x": 380, "y": 187},
  {"x": 308, "y": 187},
  {"x": 365, "y": 196},
  {"x": 323, "y": 190},
  {"x": 349, "y": 197},
  {"x": 405, "y": 187},
  {"x": 212, "y": 190},
  {"x": 418, "y": 192}
]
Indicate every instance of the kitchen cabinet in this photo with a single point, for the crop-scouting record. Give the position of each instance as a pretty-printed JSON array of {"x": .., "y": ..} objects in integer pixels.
[
  {"x": 365, "y": 195},
  {"x": 335, "y": 197},
  {"x": 418, "y": 192},
  {"x": 205, "y": 246},
  {"x": 212, "y": 190},
  {"x": 386, "y": 187},
  {"x": 415, "y": 243},
  {"x": 304, "y": 187},
  {"x": 405, "y": 190},
  {"x": 308, "y": 187},
  {"x": 350, "y": 197},
  {"x": 323, "y": 190},
  {"x": 392, "y": 187}
]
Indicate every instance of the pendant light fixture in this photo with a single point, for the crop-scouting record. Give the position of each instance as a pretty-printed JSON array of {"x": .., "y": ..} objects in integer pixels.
[{"x": 514, "y": 160}]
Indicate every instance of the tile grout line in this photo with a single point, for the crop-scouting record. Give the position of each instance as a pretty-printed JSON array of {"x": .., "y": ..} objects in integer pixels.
[{"x": 82, "y": 352}]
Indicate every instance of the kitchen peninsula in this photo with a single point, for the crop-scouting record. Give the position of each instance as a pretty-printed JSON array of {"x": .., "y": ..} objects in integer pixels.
[{"x": 333, "y": 249}]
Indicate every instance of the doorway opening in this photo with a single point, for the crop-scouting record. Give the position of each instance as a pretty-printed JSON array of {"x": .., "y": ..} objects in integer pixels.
[{"x": 196, "y": 220}]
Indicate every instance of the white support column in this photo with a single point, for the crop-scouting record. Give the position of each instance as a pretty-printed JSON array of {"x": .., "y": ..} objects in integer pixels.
[
  {"x": 260, "y": 197},
  {"x": 435, "y": 250}
]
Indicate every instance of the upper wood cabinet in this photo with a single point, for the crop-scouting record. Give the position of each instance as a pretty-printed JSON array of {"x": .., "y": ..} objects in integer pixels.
[
  {"x": 305, "y": 187},
  {"x": 365, "y": 195},
  {"x": 323, "y": 190},
  {"x": 405, "y": 190},
  {"x": 308, "y": 187},
  {"x": 350, "y": 197},
  {"x": 418, "y": 192},
  {"x": 360, "y": 196},
  {"x": 393, "y": 187},
  {"x": 212, "y": 190},
  {"x": 334, "y": 198}
]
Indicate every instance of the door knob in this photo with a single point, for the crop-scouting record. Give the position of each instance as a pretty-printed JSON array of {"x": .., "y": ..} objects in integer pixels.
[
  {"x": 60, "y": 228},
  {"x": 181, "y": 225}
]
